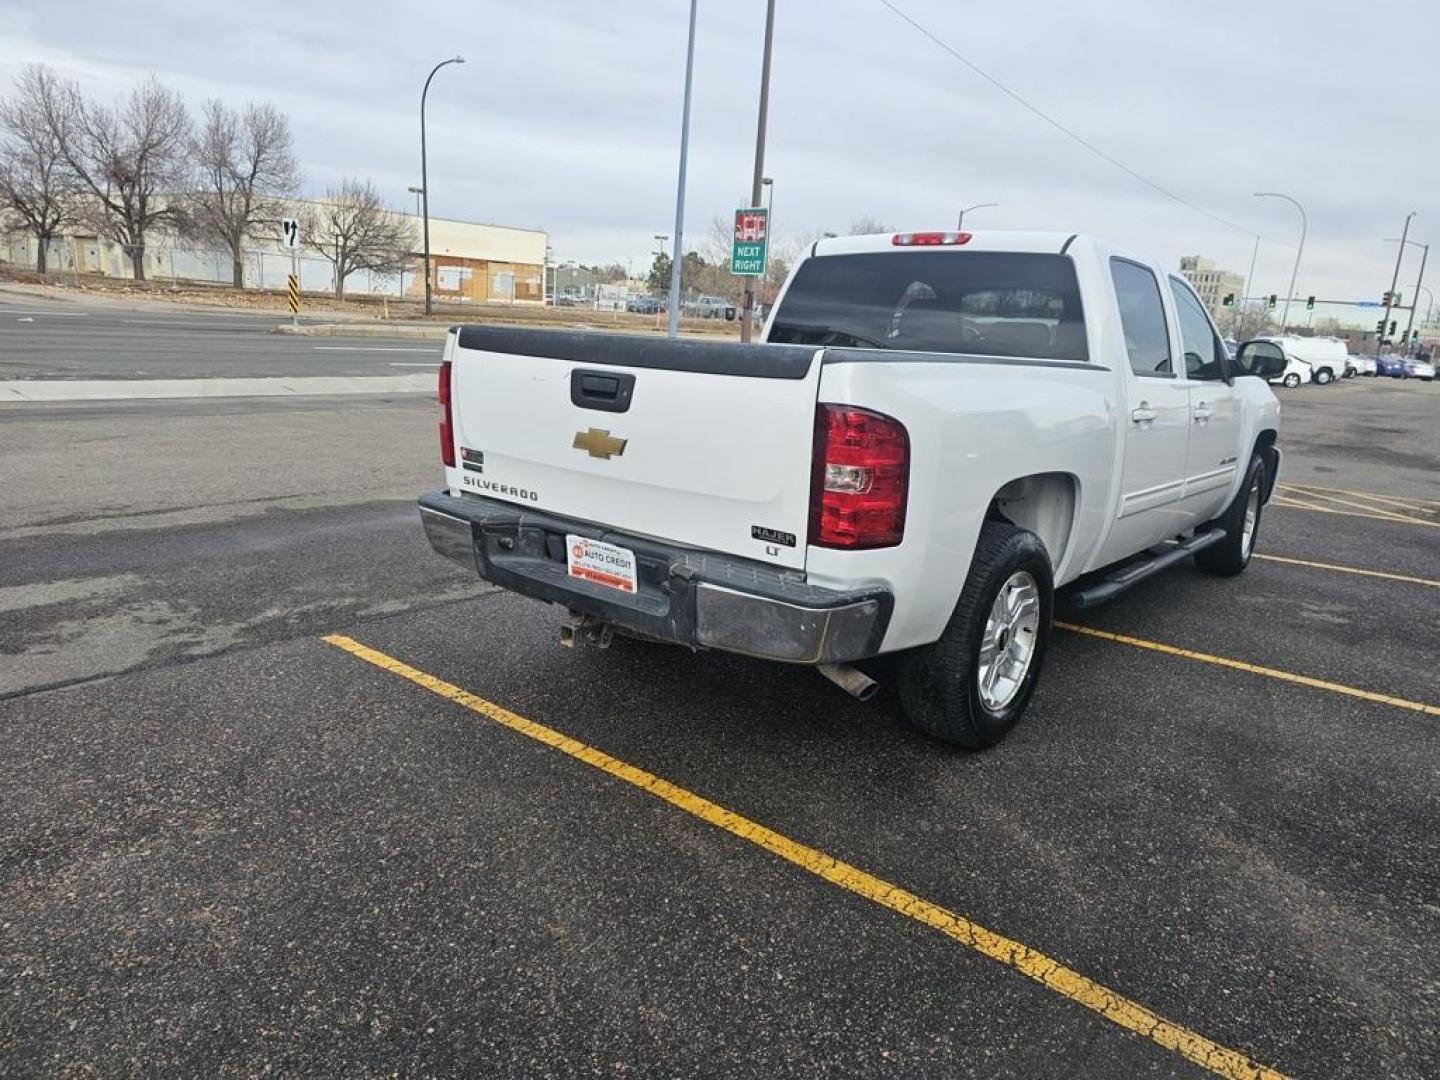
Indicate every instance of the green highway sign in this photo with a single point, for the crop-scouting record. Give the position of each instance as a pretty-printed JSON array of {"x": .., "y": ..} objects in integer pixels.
[{"x": 748, "y": 251}]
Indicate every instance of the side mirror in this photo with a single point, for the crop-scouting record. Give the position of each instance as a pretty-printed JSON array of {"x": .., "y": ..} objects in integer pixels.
[{"x": 1263, "y": 359}]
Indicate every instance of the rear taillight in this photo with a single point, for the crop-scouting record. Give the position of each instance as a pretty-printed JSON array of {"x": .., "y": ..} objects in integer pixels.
[
  {"x": 861, "y": 478},
  {"x": 929, "y": 239},
  {"x": 447, "y": 428}
]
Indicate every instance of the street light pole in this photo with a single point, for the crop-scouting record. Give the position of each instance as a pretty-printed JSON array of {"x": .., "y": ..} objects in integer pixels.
[
  {"x": 1244, "y": 303},
  {"x": 960, "y": 224},
  {"x": 1394, "y": 281},
  {"x": 673, "y": 321},
  {"x": 424, "y": 176},
  {"x": 747, "y": 316},
  {"x": 1419, "y": 282},
  {"x": 1304, "y": 224}
]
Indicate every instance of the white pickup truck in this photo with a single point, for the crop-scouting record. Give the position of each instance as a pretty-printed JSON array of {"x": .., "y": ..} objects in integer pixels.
[{"x": 939, "y": 430}]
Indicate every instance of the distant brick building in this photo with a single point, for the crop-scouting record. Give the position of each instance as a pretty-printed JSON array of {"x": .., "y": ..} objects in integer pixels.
[{"x": 1210, "y": 284}]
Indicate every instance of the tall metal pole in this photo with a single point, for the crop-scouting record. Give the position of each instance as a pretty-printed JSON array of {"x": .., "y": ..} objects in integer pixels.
[
  {"x": 960, "y": 223},
  {"x": 673, "y": 327},
  {"x": 1394, "y": 281},
  {"x": 1415, "y": 300},
  {"x": 424, "y": 175},
  {"x": 1245, "y": 289},
  {"x": 747, "y": 317},
  {"x": 1304, "y": 224}
]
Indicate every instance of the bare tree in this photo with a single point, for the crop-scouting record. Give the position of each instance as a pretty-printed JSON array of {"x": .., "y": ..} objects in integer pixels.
[
  {"x": 37, "y": 189},
  {"x": 353, "y": 230},
  {"x": 130, "y": 160},
  {"x": 867, "y": 226},
  {"x": 245, "y": 165}
]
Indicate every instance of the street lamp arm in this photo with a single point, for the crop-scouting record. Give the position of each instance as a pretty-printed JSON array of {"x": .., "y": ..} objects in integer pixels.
[
  {"x": 1299, "y": 250},
  {"x": 425, "y": 177}
]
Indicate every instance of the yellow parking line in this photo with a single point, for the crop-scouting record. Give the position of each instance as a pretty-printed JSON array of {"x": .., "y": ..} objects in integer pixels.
[
  {"x": 1253, "y": 669},
  {"x": 1049, "y": 973},
  {"x": 1356, "y": 505},
  {"x": 1431, "y": 505},
  {"x": 1348, "y": 569},
  {"x": 1280, "y": 500}
]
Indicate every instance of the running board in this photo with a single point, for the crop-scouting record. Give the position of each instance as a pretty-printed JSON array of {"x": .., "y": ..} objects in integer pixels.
[{"x": 1111, "y": 586}]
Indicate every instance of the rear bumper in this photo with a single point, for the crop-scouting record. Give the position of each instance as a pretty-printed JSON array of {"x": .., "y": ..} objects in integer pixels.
[{"x": 694, "y": 598}]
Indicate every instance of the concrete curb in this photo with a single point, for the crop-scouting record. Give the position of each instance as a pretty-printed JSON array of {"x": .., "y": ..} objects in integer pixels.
[
  {"x": 421, "y": 332},
  {"x": 31, "y": 390}
]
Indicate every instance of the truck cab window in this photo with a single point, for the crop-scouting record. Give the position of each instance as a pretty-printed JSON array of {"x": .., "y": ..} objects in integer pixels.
[
  {"x": 1142, "y": 317},
  {"x": 1203, "y": 348}
]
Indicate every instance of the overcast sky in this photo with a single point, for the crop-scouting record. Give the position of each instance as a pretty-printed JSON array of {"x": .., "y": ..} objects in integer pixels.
[{"x": 566, "y": 115}]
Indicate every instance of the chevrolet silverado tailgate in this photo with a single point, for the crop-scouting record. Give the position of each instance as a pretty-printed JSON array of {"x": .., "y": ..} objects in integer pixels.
[{"x": 705, "y": 444}]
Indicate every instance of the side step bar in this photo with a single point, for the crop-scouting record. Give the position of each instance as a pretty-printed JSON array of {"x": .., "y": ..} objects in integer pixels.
[{"x": 1112, "y": 585}]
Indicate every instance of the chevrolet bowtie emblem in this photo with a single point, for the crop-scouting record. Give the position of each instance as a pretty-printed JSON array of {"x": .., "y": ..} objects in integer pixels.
[{"x": 599, "y": 443}]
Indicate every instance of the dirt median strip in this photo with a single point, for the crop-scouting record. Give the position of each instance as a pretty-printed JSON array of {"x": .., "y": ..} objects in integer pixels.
[{"x": 1050, "y": 973}]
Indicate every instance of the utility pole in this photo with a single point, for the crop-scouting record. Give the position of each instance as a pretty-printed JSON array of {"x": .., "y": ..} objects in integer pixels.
[
  {"x": 1415, "y": 300},
  {"x": 747, "y": 316},
  {"x": 1300, "y": 250},
  {"x": 1394, "y": 281},
  {"x": 1245, "y": 289},
  {"x": 424, "y": 176},
  {"x": 673, "y": 322}
]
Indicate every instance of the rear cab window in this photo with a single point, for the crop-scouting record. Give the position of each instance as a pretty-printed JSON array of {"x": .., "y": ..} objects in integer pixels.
[
  {"x": 968, "y": 303},
  {"x": 1142, "y": 318}
]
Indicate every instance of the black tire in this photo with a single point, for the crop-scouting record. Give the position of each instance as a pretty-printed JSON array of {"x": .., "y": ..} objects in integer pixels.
[
  {"x": 1324, "y": 376},
  {"x": 939, "y": 684},
  {"x": 1291, "y": 380},
  {"x": 1232, "y": 555}
]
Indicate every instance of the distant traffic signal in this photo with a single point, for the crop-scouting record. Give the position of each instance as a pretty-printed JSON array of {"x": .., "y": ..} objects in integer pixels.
[
  {"x": 1229, "y": 300},
  {"x": 1310, "y": 304},
  {"x": 1399, "y": 302},
  {"x": 1272, "y": 299},
  {"x": 1385, "y": 299},
  {"x": 1380, "y": 328},
  {"x": 1414, "y": 335},
  {"x": 1392, "y": 328}
]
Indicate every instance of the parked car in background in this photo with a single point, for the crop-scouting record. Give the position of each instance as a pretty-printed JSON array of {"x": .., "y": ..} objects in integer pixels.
[
  {"x": 1415, "y": 368},
  {"x": 1390, "y": 366},
  {"x": 1359, "y": 364},
  {"x": 1323, "y": 359},
  {"x": 709, "y": 307},
  {"x": 645, "y": 305}
]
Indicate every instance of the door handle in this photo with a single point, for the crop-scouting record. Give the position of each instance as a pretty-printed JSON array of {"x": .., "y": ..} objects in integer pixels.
[
  {"x": 1143, "y": 414},
  {"x": 1202, "y": 412}
]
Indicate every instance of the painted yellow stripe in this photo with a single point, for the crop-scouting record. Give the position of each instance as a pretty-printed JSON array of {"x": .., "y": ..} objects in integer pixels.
[
  {"x": 1348, "y": 569},
  {"x": 1367, "y": 507},
  {"x": 1429, "y": 505},
  {"x": 1049, "y": 973},
  {"x": 1279, "y": 500},
  {"x": 1253, "y": 669}
]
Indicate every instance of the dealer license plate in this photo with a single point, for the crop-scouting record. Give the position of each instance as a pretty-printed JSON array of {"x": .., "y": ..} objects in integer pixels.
[{"x": 602, "y": 563}]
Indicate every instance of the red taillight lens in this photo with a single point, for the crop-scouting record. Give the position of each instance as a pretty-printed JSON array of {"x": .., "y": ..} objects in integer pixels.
[
  {"x": 929, "y": 239},
  {"x": 861, "y": 479},
  {"x": 447, "y": 428}
]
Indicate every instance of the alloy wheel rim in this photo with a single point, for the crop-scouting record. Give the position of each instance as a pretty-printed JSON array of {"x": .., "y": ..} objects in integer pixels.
[
  {"x": 1007, "y": 646},
  {"x": 1252, "y": 518}
]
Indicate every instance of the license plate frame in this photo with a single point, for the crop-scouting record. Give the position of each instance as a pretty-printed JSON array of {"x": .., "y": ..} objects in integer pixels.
[{"x": 601, "y": 563}]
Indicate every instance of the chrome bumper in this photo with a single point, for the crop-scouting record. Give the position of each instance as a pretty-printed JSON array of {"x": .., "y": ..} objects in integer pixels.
[{"x": 694, "y": 598}]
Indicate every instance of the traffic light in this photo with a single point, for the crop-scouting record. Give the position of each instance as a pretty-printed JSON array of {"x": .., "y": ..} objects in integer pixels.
[
  {"x": 1380, "y": 328},
  {"x": 1414, "y": 335},
  {"x": 1386, "y": 299},
  {"x": 1229, "y": 300},
  {"x": 1310, "y": 304},
  {"x": 1392, "y": 328},
  {"x": 1272, "y": 299},
  {"x": 1398, "y": 301}
]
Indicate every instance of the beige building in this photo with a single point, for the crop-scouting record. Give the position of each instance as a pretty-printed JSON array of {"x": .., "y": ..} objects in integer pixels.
[
  {"x": 470, "y": 261},
  {"x": 1210, "y": 284}
]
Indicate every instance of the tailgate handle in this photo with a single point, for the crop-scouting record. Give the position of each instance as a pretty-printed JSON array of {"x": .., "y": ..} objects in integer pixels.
[{"x": 607, "y": 391}]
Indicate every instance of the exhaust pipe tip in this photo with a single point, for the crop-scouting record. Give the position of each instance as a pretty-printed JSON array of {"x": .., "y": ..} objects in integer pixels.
[{"x": 850, "y": 679}]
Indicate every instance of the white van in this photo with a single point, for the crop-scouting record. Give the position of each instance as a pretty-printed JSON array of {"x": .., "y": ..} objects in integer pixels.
[{"x": 1311, "y": 359}]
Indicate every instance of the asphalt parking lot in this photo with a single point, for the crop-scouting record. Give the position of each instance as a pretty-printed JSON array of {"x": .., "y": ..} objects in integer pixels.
[{"x": 286, "y": 794}]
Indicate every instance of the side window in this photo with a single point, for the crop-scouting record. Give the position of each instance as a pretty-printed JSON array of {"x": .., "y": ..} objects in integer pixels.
[
  {"x": 1198, "y": 338},
  {"x": 1142, "y": 317}
]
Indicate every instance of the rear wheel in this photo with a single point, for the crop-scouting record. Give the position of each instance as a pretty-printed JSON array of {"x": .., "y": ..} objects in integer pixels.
[
  {"x": 1324, "y": 375},
  {"x": 1292, "y": 380},
  {"x": 972, "y": 686},
  {"x": 1241, "y": 522}
]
